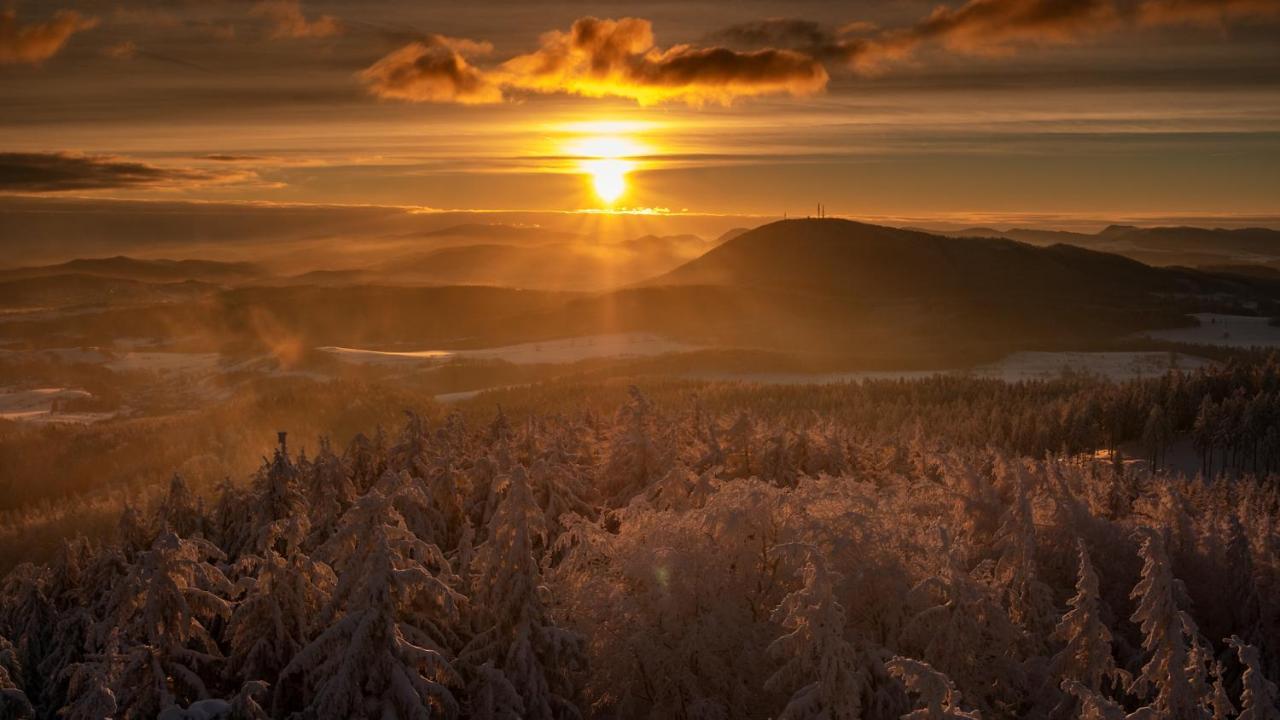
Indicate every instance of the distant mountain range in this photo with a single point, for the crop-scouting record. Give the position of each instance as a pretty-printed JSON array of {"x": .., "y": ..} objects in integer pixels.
[
  {"x": 155, "y": 271},
  {"x": 885, "y": 295},
  {"x": 1161, "y": 246}
]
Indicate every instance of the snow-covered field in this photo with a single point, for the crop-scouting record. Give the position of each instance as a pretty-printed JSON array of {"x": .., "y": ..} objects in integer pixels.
[
  {"x": 37, "y": 406},
  {"x": 1240, "y": 331},
  {"x": 567, "y": 350}
]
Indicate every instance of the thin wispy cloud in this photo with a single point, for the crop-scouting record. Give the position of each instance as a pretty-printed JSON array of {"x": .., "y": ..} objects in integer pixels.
[
  {"x": 64, "y": 172},
  {"x": 289, "y": 21}
]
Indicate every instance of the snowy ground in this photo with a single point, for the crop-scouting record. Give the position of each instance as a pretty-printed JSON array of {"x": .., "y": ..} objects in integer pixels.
[
  {"x": 1016, "y": 367},
  {"x": 164, "y": 362},
  {"x": 37, "y": 406},
  {"x": 1111, "y": 365},
  {"x": 65, "y": 356},
  {"x": 567, "y": 350},
  {"x": 1240, "y": 331}
]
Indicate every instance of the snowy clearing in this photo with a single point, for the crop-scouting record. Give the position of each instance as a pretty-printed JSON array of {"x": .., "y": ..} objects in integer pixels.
[
  {"x": 567, "y": 350},
  {"x": 1241, "y": 331}
]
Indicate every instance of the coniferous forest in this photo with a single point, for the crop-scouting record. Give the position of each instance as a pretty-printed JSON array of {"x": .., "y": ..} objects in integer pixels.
[{"x": 941, "y": 548}]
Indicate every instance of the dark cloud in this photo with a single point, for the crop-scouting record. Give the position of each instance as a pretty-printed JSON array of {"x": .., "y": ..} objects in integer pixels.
[
  {"x": 37, "y": 42},
  {"x": 61, "y": 172},
  {"x": 988, "y": 27},
  {"x": 1205, "y": 12},
  {"x": 805, "y": 36},
  {"x": 433, "y": 69},
  {"x": 595, "y": 58}
]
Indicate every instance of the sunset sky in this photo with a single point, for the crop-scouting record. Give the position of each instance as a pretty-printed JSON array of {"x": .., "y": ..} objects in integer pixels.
[{"x": 985, "y": 109}]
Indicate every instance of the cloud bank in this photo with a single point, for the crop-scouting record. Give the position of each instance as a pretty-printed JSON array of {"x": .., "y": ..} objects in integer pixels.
[
  {"x": 594, "y": 58},
  {"x": 37, "y": 42}
]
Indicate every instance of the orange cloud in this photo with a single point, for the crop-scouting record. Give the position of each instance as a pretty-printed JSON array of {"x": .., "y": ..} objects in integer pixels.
[
  {"x": 40, "y": 41},
  {"x": 597, "y": 58},
  {"x": 126, "y": 50},
  {"x": 290, "y": 22},
  {"x": 1205, "y": 12}
]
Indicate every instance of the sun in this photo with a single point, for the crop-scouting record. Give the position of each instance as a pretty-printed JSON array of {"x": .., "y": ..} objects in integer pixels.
[
  {"x": 608, "y": 178},
  {"x": 604, "y": 158}
]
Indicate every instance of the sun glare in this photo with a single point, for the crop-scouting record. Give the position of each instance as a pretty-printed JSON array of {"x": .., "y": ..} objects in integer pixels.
[
  {"x": 609, "y": 178},
  {"x": 605, "y": 159}
]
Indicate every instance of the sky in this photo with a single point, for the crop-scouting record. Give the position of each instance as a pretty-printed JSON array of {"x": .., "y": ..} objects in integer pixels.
[{"x": 982, "y": 111}]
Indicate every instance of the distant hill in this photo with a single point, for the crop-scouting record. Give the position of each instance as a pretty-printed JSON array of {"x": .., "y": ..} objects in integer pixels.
[
  {"x": 580, "y": 265},
  {"x": 499, "y": 232},
  {"x": 841, "y": 257},
  {"x": 1164, "y": 246},
  {"x": 844, "y": 285},
  {"x": 70, "y": 290},
  {"x": 128, "y": 268}
]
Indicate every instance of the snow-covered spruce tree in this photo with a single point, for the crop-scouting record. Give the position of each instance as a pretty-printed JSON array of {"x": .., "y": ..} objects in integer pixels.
[
  {"x": 1175, "y": 672},
  {"x": 407, "y": 495},
  {"x": 380, "y": 655},
  {"x": 274, "y": 620},
  {"x": 78, "y": 587},
  {"x": 515, "y": 636},
  {"x": 181, "y": 510},
  {"x": 1259, "y": 698},
  {"x": 245, "y": 704},
  {"x": 329, "y": 491},
  {"x": 964, "y": 631},
  {"x": 1085, "y": 657},
  {"x": 938, "y": 698},
  {"x": 89, "y": 692},
  {"x": 1028, "y": 599},
  {"x": 27, "y": 618},
  {"x": 637, "y": 454},
  {"x": 1219, "y": 702},
  {"x": 831, "y": 678},
  {"x": 14, "y": 702},
  {"x": 157, "y": 626},
  {"x": 1091, "y": 704}
]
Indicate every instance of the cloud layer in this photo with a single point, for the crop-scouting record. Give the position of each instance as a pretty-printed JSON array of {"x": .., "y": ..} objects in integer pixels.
[
  {"x": 594, "y": 58},
  {"x": 38, "y": 42},
  {"x": 62, "y": 172}
]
